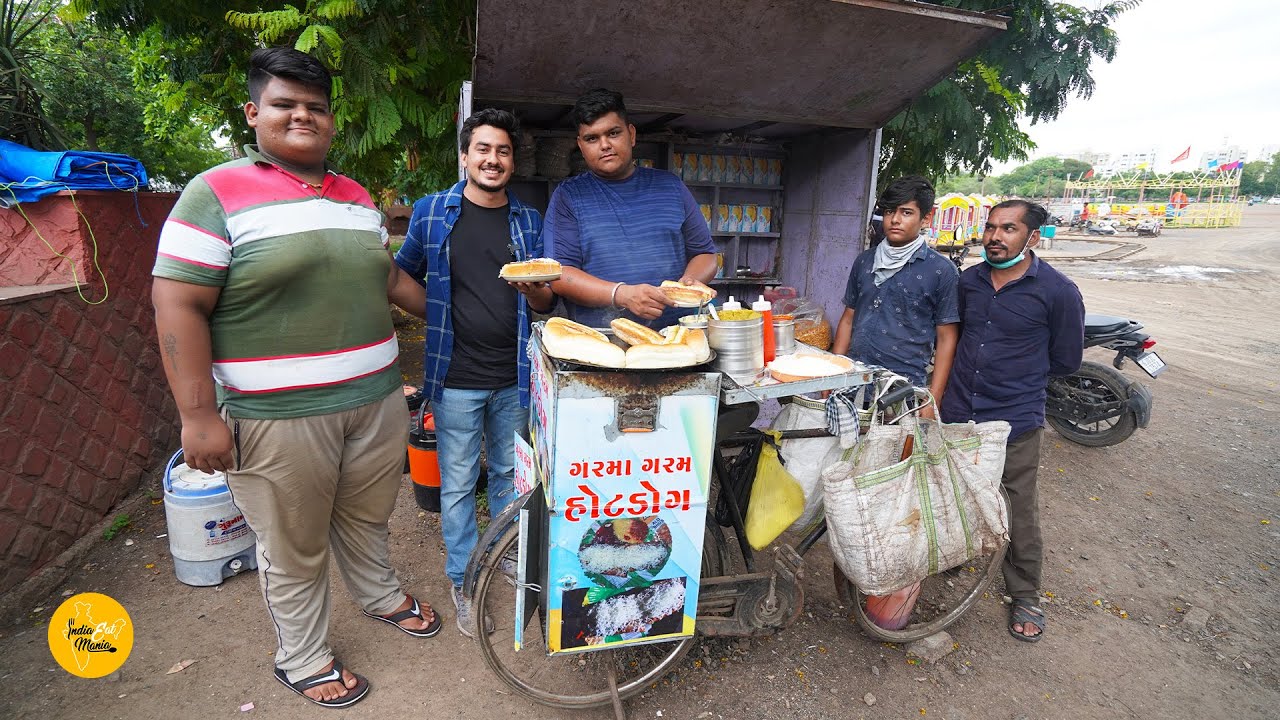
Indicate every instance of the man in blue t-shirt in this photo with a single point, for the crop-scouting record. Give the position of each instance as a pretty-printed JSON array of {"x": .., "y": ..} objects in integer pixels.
[{"x": 620, "y": 230}]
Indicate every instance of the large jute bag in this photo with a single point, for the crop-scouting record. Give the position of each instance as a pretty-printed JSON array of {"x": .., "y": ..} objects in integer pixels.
[{"x": 894, "y": 522}]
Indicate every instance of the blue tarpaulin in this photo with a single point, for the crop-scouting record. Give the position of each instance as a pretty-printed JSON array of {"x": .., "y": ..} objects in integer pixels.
[{"x": 27, "y": 175}]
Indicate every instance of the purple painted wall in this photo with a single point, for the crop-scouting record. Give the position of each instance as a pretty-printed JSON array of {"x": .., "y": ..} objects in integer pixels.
[{"x": 824, "y": 213}]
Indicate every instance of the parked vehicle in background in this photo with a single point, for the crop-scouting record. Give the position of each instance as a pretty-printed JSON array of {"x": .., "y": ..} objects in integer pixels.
[
  {"x": 1100, "y": 227},
  {"x": 1275, "y": 200},
  {"x": 1148, "y": 227},
  {"x": 1097, "y": 405}
]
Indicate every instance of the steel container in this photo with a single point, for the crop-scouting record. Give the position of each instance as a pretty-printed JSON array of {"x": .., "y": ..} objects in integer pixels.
[
  {"x": 784, "y": 336},
  {"x": 739, "y": 346}
]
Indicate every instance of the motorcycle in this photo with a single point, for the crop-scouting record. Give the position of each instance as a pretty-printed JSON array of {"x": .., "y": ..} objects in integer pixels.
[{"x": 1098, "y": 406}]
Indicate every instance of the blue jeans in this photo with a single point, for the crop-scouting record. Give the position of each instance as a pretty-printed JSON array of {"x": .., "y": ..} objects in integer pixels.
[{"x": 462, "y": 418}]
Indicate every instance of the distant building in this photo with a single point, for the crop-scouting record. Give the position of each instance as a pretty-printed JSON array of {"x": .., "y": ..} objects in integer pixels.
[
  {"x": 1222, "y": 156},
  {"x": 1144, "y": 159},
  {"x": 1268, "y": 152}
]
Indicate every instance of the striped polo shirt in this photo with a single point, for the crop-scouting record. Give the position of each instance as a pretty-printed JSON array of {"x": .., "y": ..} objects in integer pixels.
[{"x": 302, "y": 325}]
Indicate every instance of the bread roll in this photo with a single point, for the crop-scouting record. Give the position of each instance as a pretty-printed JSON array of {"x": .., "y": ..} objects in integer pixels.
[
  {"x": 633, "y": 333},
  {"x": 696, "y": 339},
  {"x": 659, "y": 356},
  {"x": 537, "y": 267},
  {"x": 691, "y": 295},
  {"x": 569, "y": 340}
]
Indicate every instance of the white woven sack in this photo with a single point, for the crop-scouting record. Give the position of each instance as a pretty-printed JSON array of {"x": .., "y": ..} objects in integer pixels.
[
  {"x": 895, "y": 522},
  {"x": 807, "y": 457}
]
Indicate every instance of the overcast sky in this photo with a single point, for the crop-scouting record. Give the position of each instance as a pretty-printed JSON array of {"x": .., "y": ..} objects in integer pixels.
[{"x": 1188, "y": 72}]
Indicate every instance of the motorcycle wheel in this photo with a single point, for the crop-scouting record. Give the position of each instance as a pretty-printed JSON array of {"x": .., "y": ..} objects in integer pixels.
[{"x": 1099, "y": 383}]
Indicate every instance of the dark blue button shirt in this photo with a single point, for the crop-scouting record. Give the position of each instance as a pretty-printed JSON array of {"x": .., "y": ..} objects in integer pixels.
[
  {"x": 1011, "y": 341},
  {"x": 895, "y": 323}
]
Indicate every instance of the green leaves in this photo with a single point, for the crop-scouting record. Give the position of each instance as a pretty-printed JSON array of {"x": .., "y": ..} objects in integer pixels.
[{"x": 971, "y": 119}]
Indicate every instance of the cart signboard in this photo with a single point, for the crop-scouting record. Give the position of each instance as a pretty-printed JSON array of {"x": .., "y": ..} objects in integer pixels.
[{"x": 629, "y": 470}]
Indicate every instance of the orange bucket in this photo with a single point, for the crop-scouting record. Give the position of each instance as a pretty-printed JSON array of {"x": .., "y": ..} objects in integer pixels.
[{"x": 424, "y": 465}]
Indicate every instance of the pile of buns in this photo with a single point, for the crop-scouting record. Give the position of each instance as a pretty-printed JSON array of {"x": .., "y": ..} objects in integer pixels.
[{"x": 674, "y": 347}]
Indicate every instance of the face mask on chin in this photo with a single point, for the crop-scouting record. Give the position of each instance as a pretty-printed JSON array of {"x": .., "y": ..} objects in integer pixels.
[{"x": 1007, "y": 263}]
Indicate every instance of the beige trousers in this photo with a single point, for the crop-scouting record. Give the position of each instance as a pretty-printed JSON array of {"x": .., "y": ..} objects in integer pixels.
[{"x": 311, "y": 485}]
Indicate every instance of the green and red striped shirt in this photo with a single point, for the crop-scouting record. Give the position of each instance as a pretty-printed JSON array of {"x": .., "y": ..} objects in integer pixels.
[{"x": 302, "y": 325}]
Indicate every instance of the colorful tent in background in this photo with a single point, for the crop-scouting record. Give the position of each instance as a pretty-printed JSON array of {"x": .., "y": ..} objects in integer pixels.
[
  {"x": 1231, "y": 166},
  {"x": 1182, "y": 156}
]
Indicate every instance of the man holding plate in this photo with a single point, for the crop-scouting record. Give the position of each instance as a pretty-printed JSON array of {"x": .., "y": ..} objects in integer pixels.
[
  {"x": 621, "y": 230},
  {"x": 476, "y": 369}
]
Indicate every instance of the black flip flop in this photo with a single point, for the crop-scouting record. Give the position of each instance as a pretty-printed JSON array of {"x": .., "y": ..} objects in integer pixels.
[
  {"x": 353, "y": 696},
  {"x": 414, "y": 610},
  {"x": 1025, "y": 612}
]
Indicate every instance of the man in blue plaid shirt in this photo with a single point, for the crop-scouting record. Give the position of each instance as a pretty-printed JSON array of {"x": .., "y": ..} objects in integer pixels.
[{"x": 476, "y": 369}]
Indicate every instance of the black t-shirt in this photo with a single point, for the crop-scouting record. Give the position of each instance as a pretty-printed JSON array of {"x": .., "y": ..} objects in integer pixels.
[{"x": 484, "y": 306}]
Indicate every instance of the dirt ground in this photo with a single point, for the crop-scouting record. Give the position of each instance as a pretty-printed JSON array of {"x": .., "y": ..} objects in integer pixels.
[{"x": 1162, "y": 565}]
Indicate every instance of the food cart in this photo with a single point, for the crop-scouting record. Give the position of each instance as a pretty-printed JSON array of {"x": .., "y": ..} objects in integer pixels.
[{"x": 612, "y": 540}]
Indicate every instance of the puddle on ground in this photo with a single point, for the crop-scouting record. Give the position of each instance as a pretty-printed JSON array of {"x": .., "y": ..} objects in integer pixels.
[
  {"x": 1082, "y": 248},
  {"x": 1164, "y": 273}
]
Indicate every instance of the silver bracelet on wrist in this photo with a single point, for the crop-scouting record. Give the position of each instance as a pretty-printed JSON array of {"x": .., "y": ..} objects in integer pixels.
[{"x": 613, "y": 296}]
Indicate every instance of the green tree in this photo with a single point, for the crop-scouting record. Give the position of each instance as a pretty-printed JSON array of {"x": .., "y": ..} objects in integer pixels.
[
  {"x": 96, "y": 105},
  {"x": 1261, "y": 177},
  {"x": 22, "y": 100},
  {"x": 970, "y": 120},
  {"x": 397, "y": 68}
]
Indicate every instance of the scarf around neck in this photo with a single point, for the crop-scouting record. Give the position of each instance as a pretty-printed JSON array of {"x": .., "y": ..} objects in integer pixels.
[{"x": 890, "y": 259}]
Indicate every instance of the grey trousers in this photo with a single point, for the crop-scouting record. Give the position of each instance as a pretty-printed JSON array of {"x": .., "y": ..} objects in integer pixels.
[
  {"x": 314, "y": 486},
  {"x": 1024, "y": 557}
]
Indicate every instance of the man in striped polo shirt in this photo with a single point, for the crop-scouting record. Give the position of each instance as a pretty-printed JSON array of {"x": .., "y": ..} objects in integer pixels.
[
  {"x": 271, "y": 287},
  {"x": 620, "y": 230}
]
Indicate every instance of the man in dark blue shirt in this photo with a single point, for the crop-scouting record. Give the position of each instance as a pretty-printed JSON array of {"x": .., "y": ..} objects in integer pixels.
[
  {"x": 900, "y": 302},
  {"x": 620, "y": 230},
  {"x": 1021, "y": 321}
]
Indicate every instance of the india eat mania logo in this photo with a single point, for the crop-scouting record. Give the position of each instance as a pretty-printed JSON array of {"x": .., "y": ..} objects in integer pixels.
[{"x": 90, "y": 635}]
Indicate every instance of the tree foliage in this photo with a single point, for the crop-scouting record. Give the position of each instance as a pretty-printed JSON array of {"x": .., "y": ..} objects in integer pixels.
[
  {"x": 970, "y": 120},
  {"x": 97, "y": 106},
  {"x": 1261, "y": 177},
  {"x": 22, "y": 99},
  {"x": 397, "y": 68}
]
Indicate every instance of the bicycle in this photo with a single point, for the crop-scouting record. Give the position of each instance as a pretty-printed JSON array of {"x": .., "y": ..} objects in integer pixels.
[{"x": 753, "y": 603}]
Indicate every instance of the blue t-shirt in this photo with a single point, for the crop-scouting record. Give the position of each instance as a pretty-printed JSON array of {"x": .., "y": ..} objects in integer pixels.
[
  {"x": 641, "y": 230},
  {"x": 895, "y": 323}
]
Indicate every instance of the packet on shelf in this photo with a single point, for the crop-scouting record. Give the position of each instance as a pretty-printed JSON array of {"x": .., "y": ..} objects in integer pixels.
[
  {"x": 761, "y": 171},
  {"x": 690, "y": 173},
  {"x": 750, "y": 218},
  {"x": 705, "y": 171},
  {"x": 719, "y": 168},
  {"x": 733, "y": 169},
  {"x": 722, "y": 219},
  {"x": 677, "y": 164},
  {"x": 764, "y": 220},
  {"x": 706, "y": 213},
  {"x": 735, "y": 218}
]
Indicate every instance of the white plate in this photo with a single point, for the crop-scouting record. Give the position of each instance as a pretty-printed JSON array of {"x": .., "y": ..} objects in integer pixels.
[
  {"x": 532, "y": 278},
  {"x": 1150, "y": 363}
]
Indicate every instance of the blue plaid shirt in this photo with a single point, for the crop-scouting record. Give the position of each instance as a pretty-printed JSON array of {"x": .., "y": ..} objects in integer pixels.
[{"x": 425, "y": 258}]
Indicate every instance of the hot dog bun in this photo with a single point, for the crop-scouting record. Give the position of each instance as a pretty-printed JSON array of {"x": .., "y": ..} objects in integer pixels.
[
  {"x": 659, "y": 356},
  {"x": 569, "y": 340},
  {"x": 537, "y": 267},
  {"x": 690, "y": 295},
  {"x": 633, "y": 333}
]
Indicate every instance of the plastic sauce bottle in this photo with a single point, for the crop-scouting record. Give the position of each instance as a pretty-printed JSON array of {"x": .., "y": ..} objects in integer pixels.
[
  {"x": 765, "y": 308},
  {"x": 731, "y": 304}
]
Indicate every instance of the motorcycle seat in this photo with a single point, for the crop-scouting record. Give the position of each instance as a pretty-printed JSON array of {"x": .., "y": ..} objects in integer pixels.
[{"x": 1104, "y": 324}]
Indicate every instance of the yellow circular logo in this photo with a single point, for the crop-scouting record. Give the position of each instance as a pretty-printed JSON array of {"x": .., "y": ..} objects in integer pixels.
[{"x": 90, "y": 635}]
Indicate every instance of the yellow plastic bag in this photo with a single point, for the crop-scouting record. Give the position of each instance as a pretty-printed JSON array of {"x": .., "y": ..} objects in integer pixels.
[{"x": 776, "y": 498}]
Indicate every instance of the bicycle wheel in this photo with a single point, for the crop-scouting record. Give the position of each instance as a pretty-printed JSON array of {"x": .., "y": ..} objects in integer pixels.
[
  {"x": 943, "y": 599},
  {"x": 565, "y": 681}
]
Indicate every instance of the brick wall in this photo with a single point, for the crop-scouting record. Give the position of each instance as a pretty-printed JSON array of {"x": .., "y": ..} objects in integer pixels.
[{"x": 85, "y": 414}]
